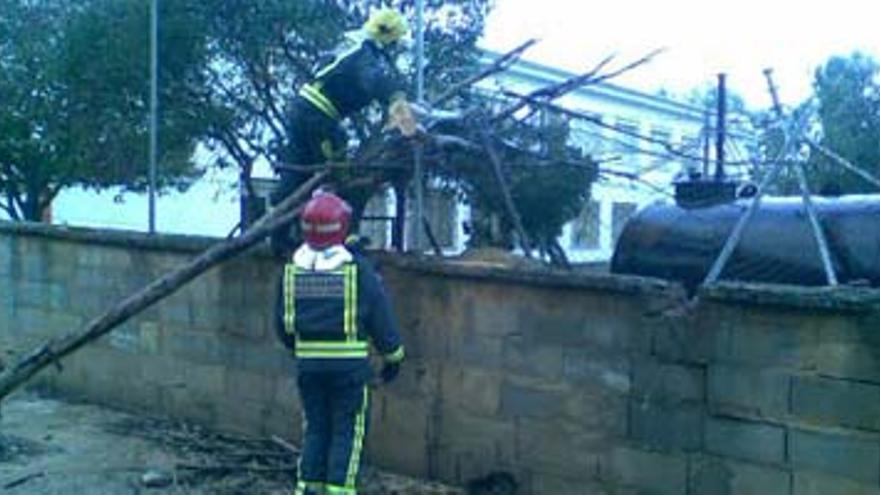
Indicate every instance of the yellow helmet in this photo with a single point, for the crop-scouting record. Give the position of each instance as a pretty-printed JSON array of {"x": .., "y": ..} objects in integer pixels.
[{"x": 385, "y": 26}]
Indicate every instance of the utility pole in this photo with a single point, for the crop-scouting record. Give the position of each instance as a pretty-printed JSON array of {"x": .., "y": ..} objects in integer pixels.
[
  {"x": 154, "y": 104},
  {"x": 418, "y": 171},
  {"x": 721, "y": 128}
]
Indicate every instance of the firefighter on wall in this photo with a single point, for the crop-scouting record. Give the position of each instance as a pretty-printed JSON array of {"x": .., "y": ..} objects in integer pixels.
[
  {"x": 358, "y": 77},
  {"x": 331, "y": 306}
]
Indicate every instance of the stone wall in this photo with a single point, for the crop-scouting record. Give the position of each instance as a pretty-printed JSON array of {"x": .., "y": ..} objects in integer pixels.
[{"x": 573, "y": 383}]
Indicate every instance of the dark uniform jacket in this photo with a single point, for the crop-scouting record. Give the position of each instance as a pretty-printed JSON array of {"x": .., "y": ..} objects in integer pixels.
[
  {"x": 354, "y": 80},
  {"x": 329, "y": 318}
]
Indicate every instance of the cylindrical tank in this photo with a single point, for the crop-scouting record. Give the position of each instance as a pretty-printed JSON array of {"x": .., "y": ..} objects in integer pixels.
[{"x": 667, "y": 241}]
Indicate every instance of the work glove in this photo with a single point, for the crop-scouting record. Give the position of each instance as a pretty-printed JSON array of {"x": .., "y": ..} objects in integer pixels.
[
  {"x": 389, "y": 372},
  {"x": 357, "y": 243},
  {"x": 402, "y": 118}
]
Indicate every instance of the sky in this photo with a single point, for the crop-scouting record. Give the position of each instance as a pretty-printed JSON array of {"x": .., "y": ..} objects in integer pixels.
[{"x": 701, "y": 39}]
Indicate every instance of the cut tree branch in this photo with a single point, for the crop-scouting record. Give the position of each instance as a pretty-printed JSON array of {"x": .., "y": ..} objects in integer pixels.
[
  {"x": 509, "y": 205},
  {"x": 499, "y": 65}
]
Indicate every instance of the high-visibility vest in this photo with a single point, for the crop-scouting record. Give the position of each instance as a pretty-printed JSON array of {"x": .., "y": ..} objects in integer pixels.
[{"x": 320, "y": 310}]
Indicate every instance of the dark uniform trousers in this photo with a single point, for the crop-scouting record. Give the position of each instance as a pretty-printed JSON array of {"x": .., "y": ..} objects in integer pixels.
[{"x": 336, "y": 411}]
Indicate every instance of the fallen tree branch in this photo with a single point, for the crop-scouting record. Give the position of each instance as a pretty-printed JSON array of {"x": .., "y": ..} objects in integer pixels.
[
  {"x": 225, "y": 468},
  {"x": 512, "y": 212},
  {"x": 499, "y": 65},
  {"x": 55, "y": 349},
  {"x": 550, "y": 93},
  {"x": 285, "y": 444},
  {"x": 23, "y": 479}
]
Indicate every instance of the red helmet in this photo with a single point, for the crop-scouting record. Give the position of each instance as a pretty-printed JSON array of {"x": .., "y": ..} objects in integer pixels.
[{"x": 325, "y": 220}]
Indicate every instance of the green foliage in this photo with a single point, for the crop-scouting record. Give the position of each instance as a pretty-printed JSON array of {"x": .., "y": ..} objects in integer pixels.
[
  {"x": 844, "y": 116},
  {"x": 848, "y": 93},
  {"x": 75, "y": 89},
  {"x": 549, "y": 179}
]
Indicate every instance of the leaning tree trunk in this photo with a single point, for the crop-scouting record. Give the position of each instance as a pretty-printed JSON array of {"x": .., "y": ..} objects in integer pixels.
[{"x": 18, "y": 373}]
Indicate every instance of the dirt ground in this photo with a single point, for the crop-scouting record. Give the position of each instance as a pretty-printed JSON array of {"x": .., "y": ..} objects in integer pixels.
[{"x": 50, "y": 446}]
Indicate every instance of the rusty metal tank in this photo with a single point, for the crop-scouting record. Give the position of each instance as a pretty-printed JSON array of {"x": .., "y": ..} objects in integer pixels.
[{"x": 672, "y": 242}]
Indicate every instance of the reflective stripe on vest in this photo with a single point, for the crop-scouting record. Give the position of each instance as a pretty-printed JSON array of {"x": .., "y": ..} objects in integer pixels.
[
  {"x": 312, "y": 93},
  {"x": 348, "y": 345}
]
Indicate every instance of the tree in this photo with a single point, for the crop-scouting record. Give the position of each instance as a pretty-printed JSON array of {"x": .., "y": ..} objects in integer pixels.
[
  {"x": 847, "y": 90},
  {"x": 74, "y": 81}
]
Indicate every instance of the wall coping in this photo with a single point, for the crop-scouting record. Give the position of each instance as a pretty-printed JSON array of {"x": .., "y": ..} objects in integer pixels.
[
  {"x": 841, "y": 298},
  {"x": 119, "y": 238},
  {"x": 538, "y": 275}
]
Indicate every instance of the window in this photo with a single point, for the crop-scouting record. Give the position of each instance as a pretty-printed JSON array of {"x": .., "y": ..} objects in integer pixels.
[
  {"x": 661, "y": 159},
  {"x": 585, "y": 228},
  {"x": 620, "y": 213},
  {"x": 627, "y": 136},
  {"x": 376, "y": 223},
  {"x": 588, "y": 136},
  {"x": 442, "y": 214},
  {"x": 692, "y": 149}
]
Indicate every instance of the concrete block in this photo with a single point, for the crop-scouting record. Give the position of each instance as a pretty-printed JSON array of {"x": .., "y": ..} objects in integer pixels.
[
  {"x": 715, "y": 476},
  {"x": 32, "y": 263},
  {"x": 465, "y": 348},
  {"x": 572, "y": 321},
  {"x": 472, "y": 389},
  {"x": 665, "y": 427},
  {"x": 207, "y": 380},
  {"x": 808, "y": 483},
  {"x": 683, "y": 339},
  {"x": 843, "y": 455},
  {"x": 544, "y": 361},
  {"x": 774, "y": 340},
  {"x": 253, "y": 357},
  {"x": 651, "y": 472},
  {"x": 29, "y": 294},
  {"x": 164, "y": 371},
  {"x": 125, "y": 338},
  {"x": 490, "y": 315},
  {"x": 33, "y": 322},
  {"x": 405, "y": 425},
  {"x": 5, "y": 256},
  {"x": 175, "y": 310},
  {"x": 586, "y": 367},
  {"x": 852, "y": 359},
  {"x": 553, "y": 484},
  {"x": 672, "y": 383},
  {"x": 559, "y": 447},
  {"x": 242, "y": 416},
  {"x": 745, "y": 440},
  {"x": 759, "y": 392},
  {"x": 597, "y": 410},
  {"x": 470, "y": 446},
  {"x": 286, "y": 423},
  {"x": 532, "y": 401},
  {"x": 191, "y": 404},
  {"x": 194, "y": 347},
  {"x": 248, "y": 386},
  {"x": 837, "y": 402}
]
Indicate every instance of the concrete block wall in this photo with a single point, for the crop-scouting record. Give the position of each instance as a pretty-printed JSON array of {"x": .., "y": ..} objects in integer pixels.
[{"x": 573, "y": 383}]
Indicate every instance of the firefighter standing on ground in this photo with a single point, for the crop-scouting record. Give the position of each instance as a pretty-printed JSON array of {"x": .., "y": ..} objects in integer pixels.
[
  {"x": 357, "y": 78},
  {"x": 331, "y": 305}
]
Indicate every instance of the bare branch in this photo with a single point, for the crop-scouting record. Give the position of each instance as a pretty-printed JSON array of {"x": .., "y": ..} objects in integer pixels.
[{"x": 499, "y": 65}]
